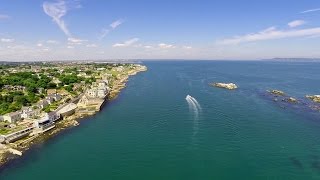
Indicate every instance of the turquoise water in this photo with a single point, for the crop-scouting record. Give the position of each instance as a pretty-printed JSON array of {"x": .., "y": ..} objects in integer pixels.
[{"x": 150, "y": 132}]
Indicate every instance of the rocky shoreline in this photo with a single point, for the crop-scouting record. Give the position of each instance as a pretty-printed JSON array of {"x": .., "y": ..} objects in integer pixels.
[{"x": 16, "y": 149}]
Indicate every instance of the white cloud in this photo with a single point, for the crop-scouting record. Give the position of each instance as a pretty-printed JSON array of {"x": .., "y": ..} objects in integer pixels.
[
  {"x": 116, "y": 23},
  {"x": 56, "y": 10},
  {"x": 113, "y": 26},
  {"x": 187, "y": 47},
  {"x": 20, "y": 47},
  {"x": 148, "y": 47},
  {"x": 75, "y": 41},
  {"x": 296, "y": 23},
  {"x": 70, "y": 47},
  {"x": 104, "y": 32},
  {"x": 310, "y": 10},
  {"x": 127, "y": 43},
  {"x": 165, "y": 46},
  {"x": 91, "y": 45},
  {"x": 4, "y": 17},
  {"x": 39, "y": 44},
  {"x": 52, "y": 42},
  {"x": 6, "y": 40},
  {"x": 269, "y": 34}
]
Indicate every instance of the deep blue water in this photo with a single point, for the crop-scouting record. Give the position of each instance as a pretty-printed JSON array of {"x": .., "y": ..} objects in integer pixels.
[{"x": 150, "y": 132}]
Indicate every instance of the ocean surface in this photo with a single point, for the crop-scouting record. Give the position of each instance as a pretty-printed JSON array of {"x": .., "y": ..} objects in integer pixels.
[{"x": 151, "y": 131}]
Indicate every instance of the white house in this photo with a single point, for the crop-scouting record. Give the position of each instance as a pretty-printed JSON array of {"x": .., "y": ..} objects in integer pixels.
[
  {"x": 29, "y": 112},
  {"x": 12, "y": 117},
  {"x": 43, "y": 125},
  {"x": 52, "y": 116},
  {"x": 102, "y": 93},
  {"x": 55, "y": 96},
  {"x": 93, "y": 93},
  {"x": 42, "y": 104},
  {"x": 102, "y": 85},
  {"x": 49, "y": 99}
]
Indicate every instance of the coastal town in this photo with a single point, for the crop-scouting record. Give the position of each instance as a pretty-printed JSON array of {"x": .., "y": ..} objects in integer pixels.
[{"x": 37, "y": 100}]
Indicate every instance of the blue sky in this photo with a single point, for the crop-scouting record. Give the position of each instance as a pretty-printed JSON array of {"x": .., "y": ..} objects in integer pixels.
[{"x": 166, "y": 29}]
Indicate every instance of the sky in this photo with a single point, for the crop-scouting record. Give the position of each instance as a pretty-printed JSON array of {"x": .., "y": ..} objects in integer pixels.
[{"x": 152, "y": 29}]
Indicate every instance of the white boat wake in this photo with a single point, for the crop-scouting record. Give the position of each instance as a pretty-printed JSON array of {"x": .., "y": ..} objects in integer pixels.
[{"x": 196, "y": 109}]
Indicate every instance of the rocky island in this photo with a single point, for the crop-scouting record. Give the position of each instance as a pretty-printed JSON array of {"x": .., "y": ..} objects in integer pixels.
[
  {"x": 277, "y": 92},
  {"x": 229, "y": 86},
  {"x": 40, "y": 99},
  {"x": 314, "y": 98},
  {"x": 297, "y": 104}
]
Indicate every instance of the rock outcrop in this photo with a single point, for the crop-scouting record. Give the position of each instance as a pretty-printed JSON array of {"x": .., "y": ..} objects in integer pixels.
[
  {"x": 314, "y": 98},
  {"x": 292, "y": 100},
  {"x": 277, "y": 92},
  {"x": 229, "y": 86}
]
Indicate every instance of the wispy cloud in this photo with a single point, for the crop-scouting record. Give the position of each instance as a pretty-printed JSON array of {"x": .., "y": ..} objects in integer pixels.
[
  {"x": 39, "y": 44},
  {"x": 116, "y": 23},
  {"x": 269, "y": 34},
  {"x": 148, "y": 47},
  {"x": 75, "y": 41},
  {"x": 296, "y": 23},
  {"x": 52, "y": 42},
  {"x": 91, "y": 45},
  {"x": 310, "y": 10},
  {"x": 4, "y": 17},
  {"x": 186, "y": 47},
  {"x": 57, "y": 10},
  {"x": 112, "y": 27},
  {"x": 6, "y": 40},
  {"x": 104, "y": 32},
  {"x": 165, "y": 46},
  {"x": 20, "y": 47},
  {"x": 127, "y": 43}
]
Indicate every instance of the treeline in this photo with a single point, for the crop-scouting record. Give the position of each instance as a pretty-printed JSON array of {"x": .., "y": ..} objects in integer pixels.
[
  {"x": 13, "y": 101},
  {"x": 27, "y": 79}
]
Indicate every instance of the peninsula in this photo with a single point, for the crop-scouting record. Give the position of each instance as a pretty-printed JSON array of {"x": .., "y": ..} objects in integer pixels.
[{"x": 39, "y": 99}]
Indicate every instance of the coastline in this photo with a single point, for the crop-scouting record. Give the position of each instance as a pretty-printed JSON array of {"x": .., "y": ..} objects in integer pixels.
[{"x": 17, "y": 149}]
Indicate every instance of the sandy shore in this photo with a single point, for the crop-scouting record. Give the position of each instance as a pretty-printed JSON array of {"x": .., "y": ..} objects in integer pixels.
[{"x": 16, "y": 149}]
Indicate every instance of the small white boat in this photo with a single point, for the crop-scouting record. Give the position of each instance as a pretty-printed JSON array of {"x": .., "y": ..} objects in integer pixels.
[{"x": 188, "y": 96}]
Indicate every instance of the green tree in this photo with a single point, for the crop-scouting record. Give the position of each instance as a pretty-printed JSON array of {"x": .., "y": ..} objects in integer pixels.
[{"x": 51, "y": 85}]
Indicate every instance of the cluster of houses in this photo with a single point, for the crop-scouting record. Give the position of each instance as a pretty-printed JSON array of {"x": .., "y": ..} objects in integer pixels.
[
  {"x": 94, "y": 97},
  {"x": 98, "y": 89},
  {"x": 37, "y": 126},
  {"x": 48, "y": 100},
  {"x": 36, "y": 122},
  {"x": 31, "y": 112}
]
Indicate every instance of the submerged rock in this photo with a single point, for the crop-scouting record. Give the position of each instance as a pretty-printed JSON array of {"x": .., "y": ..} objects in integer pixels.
[
  {"x": 314, "y": 98},
  {"x": 277, "y": 92},
  {"x": 292, "y": 100},
  {"x": 229, "y": 86}
]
